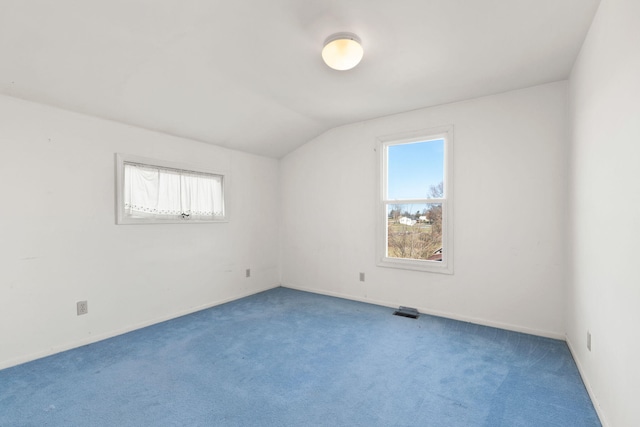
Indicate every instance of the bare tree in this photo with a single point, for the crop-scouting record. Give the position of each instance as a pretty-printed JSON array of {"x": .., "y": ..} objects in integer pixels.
[
  {"x": 396, "y": 212},
  {"x": 417, "y": 241},
  {"x": 436, "y": 191}
]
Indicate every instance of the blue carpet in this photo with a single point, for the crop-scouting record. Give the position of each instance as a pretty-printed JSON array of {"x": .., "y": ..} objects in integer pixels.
[{"x": 290, "y": 358}]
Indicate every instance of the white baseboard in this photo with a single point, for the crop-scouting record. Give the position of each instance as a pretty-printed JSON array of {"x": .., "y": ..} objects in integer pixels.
[
  {"x": 587, "y": 384},
  {"x": 90, "y": 340},
  {"x": 454, "y": 316}
]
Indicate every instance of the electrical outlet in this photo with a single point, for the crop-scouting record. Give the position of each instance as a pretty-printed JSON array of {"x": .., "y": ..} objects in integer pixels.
[
  {"x": 588, "y": 340},
  {"x": 82, "y": 307},
  {"x": 362, "y": 277},
  {"x": 248, "y": 273}
]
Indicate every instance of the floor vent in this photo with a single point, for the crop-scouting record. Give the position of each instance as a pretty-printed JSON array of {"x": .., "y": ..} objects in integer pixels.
[{"x": 409, "y": 312}]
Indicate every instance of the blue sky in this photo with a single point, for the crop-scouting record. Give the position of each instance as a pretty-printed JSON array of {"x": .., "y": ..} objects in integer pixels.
[{"x": 413, "y": 168}]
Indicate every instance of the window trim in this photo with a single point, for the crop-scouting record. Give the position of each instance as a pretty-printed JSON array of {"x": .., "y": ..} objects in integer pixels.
[
  {"x": 382, "y": 143},
  {"x": 123, "y": 219}
]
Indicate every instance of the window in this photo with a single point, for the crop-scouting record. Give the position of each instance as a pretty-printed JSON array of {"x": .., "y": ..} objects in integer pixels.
[
  {"x": 415, "y": 201},
  {"x": 153, "y": 191}
]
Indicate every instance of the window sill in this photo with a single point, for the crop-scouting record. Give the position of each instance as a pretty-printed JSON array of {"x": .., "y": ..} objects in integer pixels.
[
  {"x": 416, "y": 265},
  {"x": 141, "y": 221}
]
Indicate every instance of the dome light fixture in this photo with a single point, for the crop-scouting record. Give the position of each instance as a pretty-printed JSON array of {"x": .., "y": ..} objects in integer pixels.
[{"x": 342, "y": 51}]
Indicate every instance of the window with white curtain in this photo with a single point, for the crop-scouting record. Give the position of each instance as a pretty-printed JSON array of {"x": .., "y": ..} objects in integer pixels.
[{"x": 152, "y": 191}]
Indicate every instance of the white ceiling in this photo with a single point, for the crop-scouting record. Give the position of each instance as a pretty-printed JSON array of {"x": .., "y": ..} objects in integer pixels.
[{"x": 247, "y": 74}]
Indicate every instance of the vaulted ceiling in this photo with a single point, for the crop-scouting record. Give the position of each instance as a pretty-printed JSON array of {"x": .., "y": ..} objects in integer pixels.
[{"x": 247, "y": 74}]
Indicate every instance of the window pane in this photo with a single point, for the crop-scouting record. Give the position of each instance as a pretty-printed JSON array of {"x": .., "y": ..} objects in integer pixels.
[
  {"x": 140, "y": 190},
  {"x": 169, "y": 193},
  {"x": 156, "y": 192},
  {"x": 416, "y": 170},
  {"x": 202, "y": 195},
  {"x": 414, "y": 231}
]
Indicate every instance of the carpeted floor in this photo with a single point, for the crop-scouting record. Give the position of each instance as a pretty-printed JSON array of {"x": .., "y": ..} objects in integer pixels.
[{"x": 290, "y": 358}]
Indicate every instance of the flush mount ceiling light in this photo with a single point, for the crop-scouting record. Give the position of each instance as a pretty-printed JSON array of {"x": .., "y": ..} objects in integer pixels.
[{"x": 342, "y": 51}]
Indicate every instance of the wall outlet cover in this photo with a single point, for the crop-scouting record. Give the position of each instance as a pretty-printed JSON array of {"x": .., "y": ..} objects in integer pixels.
[{"x": 82, "y": 307}]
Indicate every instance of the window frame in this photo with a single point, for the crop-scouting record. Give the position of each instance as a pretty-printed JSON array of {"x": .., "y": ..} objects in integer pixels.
[
  {"x": 382, "y": 143},
  {"x": 123, "y": 219}
]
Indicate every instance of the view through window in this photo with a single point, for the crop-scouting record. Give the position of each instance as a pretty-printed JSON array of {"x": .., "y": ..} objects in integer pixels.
[
  {"x": 416, "y": 182},
  {"x": 415, "y": 192}
]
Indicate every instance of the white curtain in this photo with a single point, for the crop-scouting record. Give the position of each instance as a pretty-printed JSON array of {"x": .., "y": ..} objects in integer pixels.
[{"x": 166, "y": 193}]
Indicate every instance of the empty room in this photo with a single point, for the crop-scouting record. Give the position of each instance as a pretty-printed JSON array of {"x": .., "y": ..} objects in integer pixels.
[{"x": 320, "y": 213}]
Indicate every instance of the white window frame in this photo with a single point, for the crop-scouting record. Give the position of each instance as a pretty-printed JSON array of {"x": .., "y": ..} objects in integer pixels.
[
  {"x": 382, "y": 143},
  {"x": 122, "y": 218}
]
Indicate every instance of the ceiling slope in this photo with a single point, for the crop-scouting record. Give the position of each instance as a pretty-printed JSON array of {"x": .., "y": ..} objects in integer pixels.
[{"x": 248, "y": 74}]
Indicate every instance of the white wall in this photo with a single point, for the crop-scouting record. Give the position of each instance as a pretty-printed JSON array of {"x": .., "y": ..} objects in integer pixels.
[
  {"x": 59, "y": 242},
  {"x": 604, "y": 296},
  {"x": 510, "y": 174}
]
